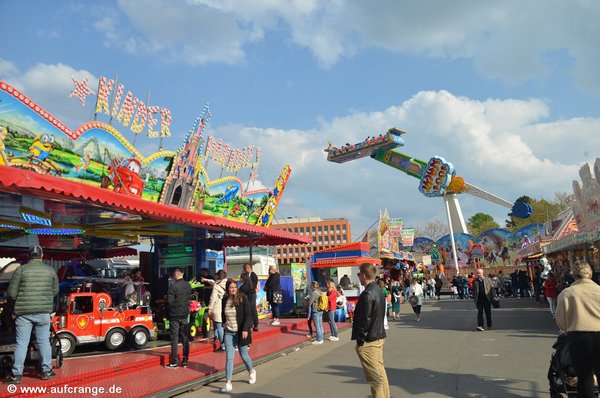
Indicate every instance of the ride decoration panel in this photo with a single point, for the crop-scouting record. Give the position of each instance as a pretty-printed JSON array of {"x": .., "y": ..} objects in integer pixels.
[{"x": 98, "y": 154}]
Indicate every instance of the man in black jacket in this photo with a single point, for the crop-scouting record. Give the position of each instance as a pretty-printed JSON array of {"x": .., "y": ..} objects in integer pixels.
[
  {"x": 247, "y": 270},
  {"x": 369, "y": 333},
  {"x": 178, "y": 298}
]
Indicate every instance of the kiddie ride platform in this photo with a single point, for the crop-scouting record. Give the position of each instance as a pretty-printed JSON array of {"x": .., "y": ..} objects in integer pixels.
[{"x": 142, "y": 373}]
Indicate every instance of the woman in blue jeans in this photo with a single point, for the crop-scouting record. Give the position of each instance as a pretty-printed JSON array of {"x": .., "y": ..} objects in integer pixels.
[
  {"x": 237, "y": 323},
  {"x": 317, "y": 315}
]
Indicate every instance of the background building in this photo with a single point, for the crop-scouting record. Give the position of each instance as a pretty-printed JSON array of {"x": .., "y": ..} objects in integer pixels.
[{"x": 325, "y": 234}]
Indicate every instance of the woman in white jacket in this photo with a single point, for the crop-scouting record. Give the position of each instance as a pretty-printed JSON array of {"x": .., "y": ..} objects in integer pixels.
[
  {"x": 417, "y": 291},
  {"x": 215, "y": 307}
]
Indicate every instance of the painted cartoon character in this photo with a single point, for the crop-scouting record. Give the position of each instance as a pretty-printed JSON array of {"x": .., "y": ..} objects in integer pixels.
[
  {"x": 125, "y": 176},
  {"x": 41, "y": 147},
  {"x": 3, "y": 134},
  {"x": 229, "y": 194}
]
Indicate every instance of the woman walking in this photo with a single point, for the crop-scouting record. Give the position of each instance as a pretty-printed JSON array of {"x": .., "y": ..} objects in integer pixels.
[
  {"x": 396, "y": 297},
  {"x": 416, "y": 291},
  {"x": 237, "y": 322},
  {"x": 274, "y": 294},
  {"x": 550, "y": 292}
]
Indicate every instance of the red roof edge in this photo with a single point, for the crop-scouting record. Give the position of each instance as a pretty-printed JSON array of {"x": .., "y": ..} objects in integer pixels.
[{"x": 25, "y": 182}]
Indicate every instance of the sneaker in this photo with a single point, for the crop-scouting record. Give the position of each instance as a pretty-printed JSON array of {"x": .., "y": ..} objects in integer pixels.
[
  {"x": 252, "y": 378},
  {"x": 184, "y": 363},
  {"x": 480, "y": 328},
  {"x": 275, "y": 323},
  {"x": 309, "y": 336},
  {"x": 48, "y": 375},
  {"x": 227, "y": 387},
  {"x": 317, "y": 342},
  {"x": 333, "y": 338},
  {"x": 172, "y": 366},
  {"x": 12, "y": 379}
]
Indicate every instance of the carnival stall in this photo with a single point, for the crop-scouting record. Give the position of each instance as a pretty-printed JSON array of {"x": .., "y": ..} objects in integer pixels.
[{"x": 90, "y": 193}]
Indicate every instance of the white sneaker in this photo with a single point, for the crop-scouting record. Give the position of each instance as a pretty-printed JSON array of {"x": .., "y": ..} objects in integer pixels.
[
  {"x": 275, "y": 323},
  {"x": 227, "y": 387},
  {"x": 333, "y": 338},
  {"x": 317, "y": 342},
  {"x": 252, "y": 378}
]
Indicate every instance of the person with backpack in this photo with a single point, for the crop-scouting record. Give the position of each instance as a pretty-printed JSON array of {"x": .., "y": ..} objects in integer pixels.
[{"x": 315, "y": 303}]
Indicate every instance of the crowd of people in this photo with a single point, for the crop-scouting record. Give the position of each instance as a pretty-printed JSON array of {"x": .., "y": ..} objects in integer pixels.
[{"x": 573, "y": 300}]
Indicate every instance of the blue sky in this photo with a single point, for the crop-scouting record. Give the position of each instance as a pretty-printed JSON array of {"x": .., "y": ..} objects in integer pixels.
[{"x": 509, "y": 92}]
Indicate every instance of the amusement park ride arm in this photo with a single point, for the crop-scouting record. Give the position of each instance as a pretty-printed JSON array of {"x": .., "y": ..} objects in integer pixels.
[{"x": 436, "y": 177}]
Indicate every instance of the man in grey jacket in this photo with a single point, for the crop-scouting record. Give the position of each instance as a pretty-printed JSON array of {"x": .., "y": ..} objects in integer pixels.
[
  {"x": 33, "y": 286},
  {"x": 483, "y": 294}
]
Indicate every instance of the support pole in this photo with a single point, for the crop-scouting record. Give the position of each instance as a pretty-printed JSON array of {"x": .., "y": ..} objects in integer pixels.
[{"x": 447, "y": 198}]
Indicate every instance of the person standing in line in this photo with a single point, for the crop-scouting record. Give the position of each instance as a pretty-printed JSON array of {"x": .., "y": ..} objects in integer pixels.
[
  {"x": 550, "y": 292},
  {"x": 178, "y": 299},
  {"x": 274, "y": 293},
  {"x": 438, "y": 286},
  {"x": 368, "y": 331},
  {"x": 332, "y": 300},
  {"x": 578, "y": 314},
  {"x": 236, "y": 313},
  {"x": 214, "y": 306},
  {"x": 416, "y": 290},
  {"x": 396, "y": 299},
  {"x": 253, "y": 289},
  {"x": 33, "y": 286},
  {"x": 317, "y": 314},
  {"x": 483, "y": 295}
]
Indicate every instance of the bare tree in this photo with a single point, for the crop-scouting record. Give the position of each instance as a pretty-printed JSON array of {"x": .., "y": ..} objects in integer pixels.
[
  {"x": 562, "y": 199},
  {"x": 433, "y": 230}
]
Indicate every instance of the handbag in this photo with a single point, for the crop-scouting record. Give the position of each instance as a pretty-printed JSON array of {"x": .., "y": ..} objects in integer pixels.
[
  {"x": 413, "y": 301},
  {"x": 495, "y": 302},
  {"x": 277, "y": 297}
]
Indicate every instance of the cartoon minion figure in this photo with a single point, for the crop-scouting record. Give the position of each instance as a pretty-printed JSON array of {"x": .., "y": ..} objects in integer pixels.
[{"x": 41, "y": 147}]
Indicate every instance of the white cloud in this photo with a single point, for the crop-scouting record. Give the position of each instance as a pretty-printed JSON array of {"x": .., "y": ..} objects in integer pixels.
[
  {"x": 507, "y": 147},
  {"x": 508, "y": 40},
  {"x": 50, "y": 86},
  {"x": 499, "y": 146}
]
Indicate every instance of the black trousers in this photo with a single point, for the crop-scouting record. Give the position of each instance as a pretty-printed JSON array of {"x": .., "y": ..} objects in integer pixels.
[
  {"x": 179, "y": 329},
  {"x": 483, "y": 304},
  {"x": 584, "y": 348},
  {"x": 252, "y": 299}
]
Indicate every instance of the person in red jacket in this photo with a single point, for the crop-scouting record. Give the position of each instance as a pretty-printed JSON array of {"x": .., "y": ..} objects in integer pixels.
[
  {"x": 550, "y": 292},
  {"x": 332, "y": 299}
]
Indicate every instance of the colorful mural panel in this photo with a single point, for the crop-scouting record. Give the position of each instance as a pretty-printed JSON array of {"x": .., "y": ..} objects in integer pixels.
[{"x": 97, "y": 154}]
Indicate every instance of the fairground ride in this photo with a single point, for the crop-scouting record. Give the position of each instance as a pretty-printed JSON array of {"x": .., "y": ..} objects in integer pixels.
[{"x": 437, "y": 177}]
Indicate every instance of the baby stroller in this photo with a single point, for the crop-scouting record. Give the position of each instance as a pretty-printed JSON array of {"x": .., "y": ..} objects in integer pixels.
[{"x": 561, "y": 374}]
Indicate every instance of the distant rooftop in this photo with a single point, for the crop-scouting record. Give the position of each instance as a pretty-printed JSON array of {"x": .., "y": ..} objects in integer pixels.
[{"x": 293, "y": 220}]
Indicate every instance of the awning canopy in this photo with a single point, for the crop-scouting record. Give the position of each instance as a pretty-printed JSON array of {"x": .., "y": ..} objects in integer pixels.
[
  {"x": 352, "y": 254},
  {"x": 89, "y": 202}
]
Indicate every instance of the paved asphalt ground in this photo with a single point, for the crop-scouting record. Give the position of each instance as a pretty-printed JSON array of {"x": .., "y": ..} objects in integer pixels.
[{"x": 441, "y": 356}]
